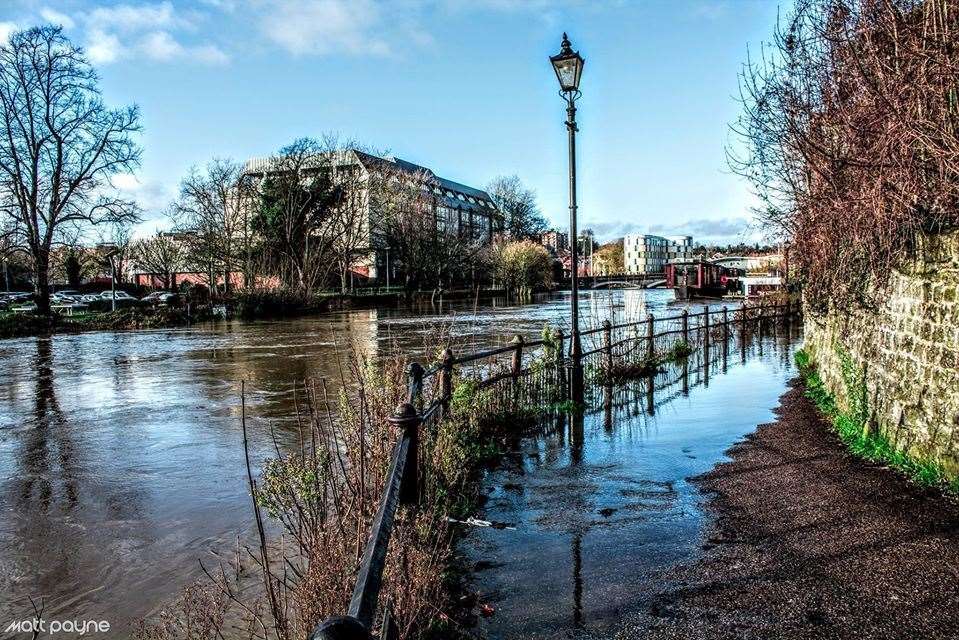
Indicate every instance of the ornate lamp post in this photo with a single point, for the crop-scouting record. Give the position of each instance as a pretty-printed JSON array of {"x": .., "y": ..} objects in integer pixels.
[{"x": 568, "y": 65}]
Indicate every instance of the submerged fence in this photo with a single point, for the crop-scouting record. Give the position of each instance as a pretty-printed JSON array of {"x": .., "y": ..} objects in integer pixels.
[{"x": 515, "y": 378}]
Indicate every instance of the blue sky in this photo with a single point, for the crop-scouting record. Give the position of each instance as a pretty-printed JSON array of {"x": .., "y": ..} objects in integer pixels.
[{"x": 461, "y": 86}]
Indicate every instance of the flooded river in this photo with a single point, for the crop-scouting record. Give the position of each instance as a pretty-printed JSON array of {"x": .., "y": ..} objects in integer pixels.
[
  {"x": 120, "y": 453},
  {"x": 601, "y": 508}
]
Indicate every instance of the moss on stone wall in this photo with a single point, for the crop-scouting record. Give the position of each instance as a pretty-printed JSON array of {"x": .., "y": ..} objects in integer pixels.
[{"x": 895, "y": 369}]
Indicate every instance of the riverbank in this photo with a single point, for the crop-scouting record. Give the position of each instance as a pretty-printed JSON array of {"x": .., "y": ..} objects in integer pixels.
[
  {"x": 810, "y": 541},
  {"x": 254, "y": 307},
  {"x": 25, "y": 325}
]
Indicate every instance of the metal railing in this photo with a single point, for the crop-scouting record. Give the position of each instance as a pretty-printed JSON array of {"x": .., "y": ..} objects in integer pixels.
[{"x": 535, "y": 374}]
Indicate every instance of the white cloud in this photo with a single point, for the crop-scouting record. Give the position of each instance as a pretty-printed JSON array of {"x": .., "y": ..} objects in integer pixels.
[
  {"x": 208, "y": 54},
  {"x": 224, "y": 5},
  {"x": 6, "y": 30},
  {"x": 160, "y": 45},
  {"x": 102, "y": 47},
  {"x": 152, "y": 196},
  {"x": 55, "y": 17},
  {"x": 132, "y": 18},
  {"x": 163, "y": 47},
  {"x": 327, "y": 26},
  {"x": 151, "y": 30}
]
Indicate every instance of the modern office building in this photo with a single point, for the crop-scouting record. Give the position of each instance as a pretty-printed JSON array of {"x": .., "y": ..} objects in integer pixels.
[{"x": 645, "y": 253}]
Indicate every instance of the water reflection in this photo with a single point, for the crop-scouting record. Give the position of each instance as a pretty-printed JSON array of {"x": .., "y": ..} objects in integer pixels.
[
  {"x": 598, "y": 516},
  {"x": 120, "y": 457}
]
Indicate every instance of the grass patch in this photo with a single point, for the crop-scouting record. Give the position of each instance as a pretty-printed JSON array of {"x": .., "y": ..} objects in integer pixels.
[{"x": 852, "y": 426}]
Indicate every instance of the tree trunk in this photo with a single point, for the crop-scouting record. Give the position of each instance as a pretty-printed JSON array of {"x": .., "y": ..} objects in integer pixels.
[{"x": 42, "y": 284}]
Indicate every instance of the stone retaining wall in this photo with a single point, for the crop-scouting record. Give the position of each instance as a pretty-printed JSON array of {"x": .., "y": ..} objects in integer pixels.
[{"x": 907, "y": 354}]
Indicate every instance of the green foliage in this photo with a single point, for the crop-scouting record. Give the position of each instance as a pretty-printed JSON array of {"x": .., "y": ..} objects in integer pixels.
[
  {"x": 851, "y": 425},
  {"x": 289, "y": 483},
  {"x": 523, "y": 266},
  {"x": 680, "y": 349},
  {"x": 568, "y": 406}
]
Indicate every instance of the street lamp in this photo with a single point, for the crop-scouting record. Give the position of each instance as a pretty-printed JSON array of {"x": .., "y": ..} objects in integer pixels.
[{"x": 568, "y": 65}]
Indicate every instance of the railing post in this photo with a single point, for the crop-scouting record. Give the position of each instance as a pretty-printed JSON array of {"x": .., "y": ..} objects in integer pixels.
[
  {"x": 408, "y": 421},
  {"x": 608, "y": 346},
  {"x": 686, "y": 326},
  {"x": 725, "y": 324},
  {"x": 650, "y": 346},
  {"x": 414, "y": 373},
  {"x": 340, "y": 628},
  {"x": 706, "y": 327},
  {"x": 516, "y": 365},
  {"x": 762, "y": 317},
  {"x": 446, "y": 381},
  {"x": 517, "y": 361},
  {"x": 560, "y": 369}
]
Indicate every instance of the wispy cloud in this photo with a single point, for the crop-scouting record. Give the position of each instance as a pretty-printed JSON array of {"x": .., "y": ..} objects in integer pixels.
[
  {"x": 153, "y": 197},
  {"x": 327, "y": 26},
  {"x": 155, "y": 31},
  {"x": 7, "y": 28},
  {"x": 710, "y": 9},
  {"x": 55, "y": 17},
  {"x": 716, "y": 230}
]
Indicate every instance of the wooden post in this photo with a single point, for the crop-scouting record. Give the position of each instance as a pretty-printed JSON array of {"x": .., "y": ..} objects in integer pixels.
[
  {"x": 762, "y": 319},
  {"x": 686, "y": 326},
  {"x": 650, "y": 346},
  {"x": 725, "y": 325},
  {"x": 517, "y": 362},
  {"x": 608, "y": 346}
]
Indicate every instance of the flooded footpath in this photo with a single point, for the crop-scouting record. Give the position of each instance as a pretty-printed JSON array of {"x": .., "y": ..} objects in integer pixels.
[
  {"x": 121, "y": 462},
  {"x": 599, "y": 508}
]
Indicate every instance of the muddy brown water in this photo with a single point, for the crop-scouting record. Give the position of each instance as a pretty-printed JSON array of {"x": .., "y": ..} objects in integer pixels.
[{"x": 120, "y": 452}]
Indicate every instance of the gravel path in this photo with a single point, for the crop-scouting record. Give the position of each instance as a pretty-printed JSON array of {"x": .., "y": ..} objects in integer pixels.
[{"x": 809, "y": 542}]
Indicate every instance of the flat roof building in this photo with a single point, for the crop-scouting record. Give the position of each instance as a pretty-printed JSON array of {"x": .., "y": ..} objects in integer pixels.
[{"x": 646, "y": 253}]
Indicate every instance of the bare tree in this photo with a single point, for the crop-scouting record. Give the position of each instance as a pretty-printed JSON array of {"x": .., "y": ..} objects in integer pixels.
[
  {"x": 349, "y": 224},
  {"x": 160, "y": 255},
  {"x": 429, "y": 252},
  {"x": 852, "y": 138},
  {"x": 518, "y": 204},
  {"x": 295, "y": 216},
  {"x": 213, "y": 211},
  {"x": 59, "y": 145},
  {"x": 117, "y": 237}
]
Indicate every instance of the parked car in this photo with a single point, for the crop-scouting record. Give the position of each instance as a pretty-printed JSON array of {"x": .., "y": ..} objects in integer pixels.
[
  {"x": 159, "y": 297},
  {"x": 120, "y": 295}
]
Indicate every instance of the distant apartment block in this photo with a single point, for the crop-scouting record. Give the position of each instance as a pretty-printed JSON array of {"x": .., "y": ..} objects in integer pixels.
[
  {"x": 458, "y": 208},
  {"x": 557, "y": 241},
  {"x": 644, "y": 253}
]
